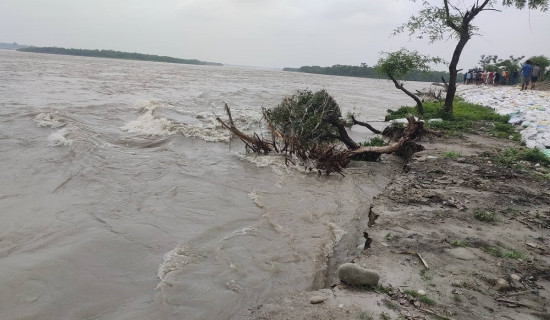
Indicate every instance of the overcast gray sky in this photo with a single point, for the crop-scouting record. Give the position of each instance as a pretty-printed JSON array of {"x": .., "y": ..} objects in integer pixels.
[{"x": 264, "y": 33}]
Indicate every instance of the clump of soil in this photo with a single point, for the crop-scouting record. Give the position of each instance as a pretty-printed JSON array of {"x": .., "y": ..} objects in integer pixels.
[
  {"x": 457, "y": 237},
  {"x": 543, "y": 86}
]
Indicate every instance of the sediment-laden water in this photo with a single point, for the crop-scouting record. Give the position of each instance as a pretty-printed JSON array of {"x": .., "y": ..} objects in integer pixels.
[{"x": 122, "y": 198}]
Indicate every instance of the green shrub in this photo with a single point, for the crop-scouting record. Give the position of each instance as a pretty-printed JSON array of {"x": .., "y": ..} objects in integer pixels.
[
  {"x": 374, "y": 142},
  {"x": 485, "y": 216},
  {"x": 503, "y": 253},
  {"x": 460, "y": 243},
  {"x": 452, "y": 155},
  {"x": 425, "y": 299}
]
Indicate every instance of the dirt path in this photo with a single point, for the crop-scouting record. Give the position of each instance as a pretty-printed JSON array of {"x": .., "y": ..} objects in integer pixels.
[{"x": 482, "y": 230}]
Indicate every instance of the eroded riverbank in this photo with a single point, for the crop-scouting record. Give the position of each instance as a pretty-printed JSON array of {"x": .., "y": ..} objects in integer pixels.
[{"x": 482, "y": 229}]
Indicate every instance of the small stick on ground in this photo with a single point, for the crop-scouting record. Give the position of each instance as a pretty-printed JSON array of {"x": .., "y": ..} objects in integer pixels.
[{"x": 423, "y": 261}]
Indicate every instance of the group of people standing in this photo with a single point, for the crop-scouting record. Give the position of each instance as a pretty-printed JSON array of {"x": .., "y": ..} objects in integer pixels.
[{"x": 529, "y": 74}]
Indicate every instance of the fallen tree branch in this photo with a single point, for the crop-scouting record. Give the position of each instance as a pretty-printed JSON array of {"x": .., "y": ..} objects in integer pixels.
[
  {"x": 255, "y": 143},
  {"x": 364, "y": 124}
]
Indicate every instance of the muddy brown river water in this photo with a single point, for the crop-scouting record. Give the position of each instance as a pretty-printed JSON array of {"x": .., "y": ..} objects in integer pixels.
[{"x": 122, "y": 198}]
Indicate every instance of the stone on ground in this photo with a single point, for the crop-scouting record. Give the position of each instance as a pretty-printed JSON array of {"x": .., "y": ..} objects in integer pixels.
[
  {"x": 317, "y": 299},
  {"x": 353, "y": 274}
]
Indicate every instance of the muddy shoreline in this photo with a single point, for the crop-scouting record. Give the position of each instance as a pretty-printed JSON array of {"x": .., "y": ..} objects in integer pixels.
[{"x": 482, "y": 229}]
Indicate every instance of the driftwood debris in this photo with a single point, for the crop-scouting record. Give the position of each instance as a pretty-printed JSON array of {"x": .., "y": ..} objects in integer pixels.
[
  {"x": 255, "y": 143},
  {"x": 325, "y": 157}
]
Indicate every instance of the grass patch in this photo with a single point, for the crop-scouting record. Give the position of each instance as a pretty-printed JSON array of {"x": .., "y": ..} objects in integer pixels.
[
  {"x": 505, "y": 131},
  {"x": 390, "y": 304},
  {"x": 373, "y": 142},
  {"x": 425, "y": 276},
  {"x": 460, "y": 243},
  {"x": 370, "y": 156},
  {"x": 494, "y": 251},
  {"x": 427, "y": 300},
  {"x": 512, "y": 156},
  {"x": 510, "y": 254},
  {"x": 412, "y": 293},
  {"x": 452, "y": 155},
  {"x": 423, "y": 298},
  {"x": 463, "y": 118},
  {"x": 512, "y": 211},
  {"x": 383, "y": 288},
  {"x": 365, "y": 316},
  {"x": 485, "y": 216},
  {"x": 385, "y": 316},
  {"x": 515, "y": 254}
]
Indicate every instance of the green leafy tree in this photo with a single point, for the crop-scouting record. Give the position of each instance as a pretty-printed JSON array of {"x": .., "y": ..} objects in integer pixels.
[
  {"x": 541, "y": 61},
  {"x": 454, "y": 19},
  {"x": 488, "y": 62},
  {"x": 304, "y": 114},
  {"x": 511, "y": 64},
  {"x": 400, "y": 64},
  {"x": 493, "y": 63},
  {"x": 114, "y": 55}
]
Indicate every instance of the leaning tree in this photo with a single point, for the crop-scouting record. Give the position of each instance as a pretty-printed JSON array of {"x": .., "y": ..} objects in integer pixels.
[
  {"x": 400, "y": 64},
  {"x": 455, "y": 19}
]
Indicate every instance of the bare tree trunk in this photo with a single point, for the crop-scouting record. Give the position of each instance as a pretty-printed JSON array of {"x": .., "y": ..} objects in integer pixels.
[
  {"x": 463, "y": 30},
  {"x": 343, "y": 134},
  {"x": 451, "y": 87}
]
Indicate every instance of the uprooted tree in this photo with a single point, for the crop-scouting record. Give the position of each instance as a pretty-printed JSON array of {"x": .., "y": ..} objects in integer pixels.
[{"x": 309, "y": 127}]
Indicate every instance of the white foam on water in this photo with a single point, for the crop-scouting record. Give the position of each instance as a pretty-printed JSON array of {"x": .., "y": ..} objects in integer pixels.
[
  {"x": 242, "y": 232},
  {"x": 147, "y": 124},
  {"x": 59, "y": 138},
  {"x": 254, "y": 196},
  {"x": 277, "y": 227},
  {"x": 233, "y": 286},
  {"x": 278, "y": 163},
  {"x": 52, "y": 120},
  {"x": 207, "y": 132},
  {"x": 149, "y": 105},
  {"x": 173, "y": 260}
]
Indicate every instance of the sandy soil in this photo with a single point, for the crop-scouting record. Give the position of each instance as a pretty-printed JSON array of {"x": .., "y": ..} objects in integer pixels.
[
  {"x": 543, "y": 86},
  {"x": 474, "y": 269}
]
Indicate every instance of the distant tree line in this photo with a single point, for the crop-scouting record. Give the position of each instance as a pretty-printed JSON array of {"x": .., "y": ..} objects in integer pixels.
[
  {"x": 11, "y": 46},
  {"x": 114, "y": 55},
  {"x": 364, "y": 71}
]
